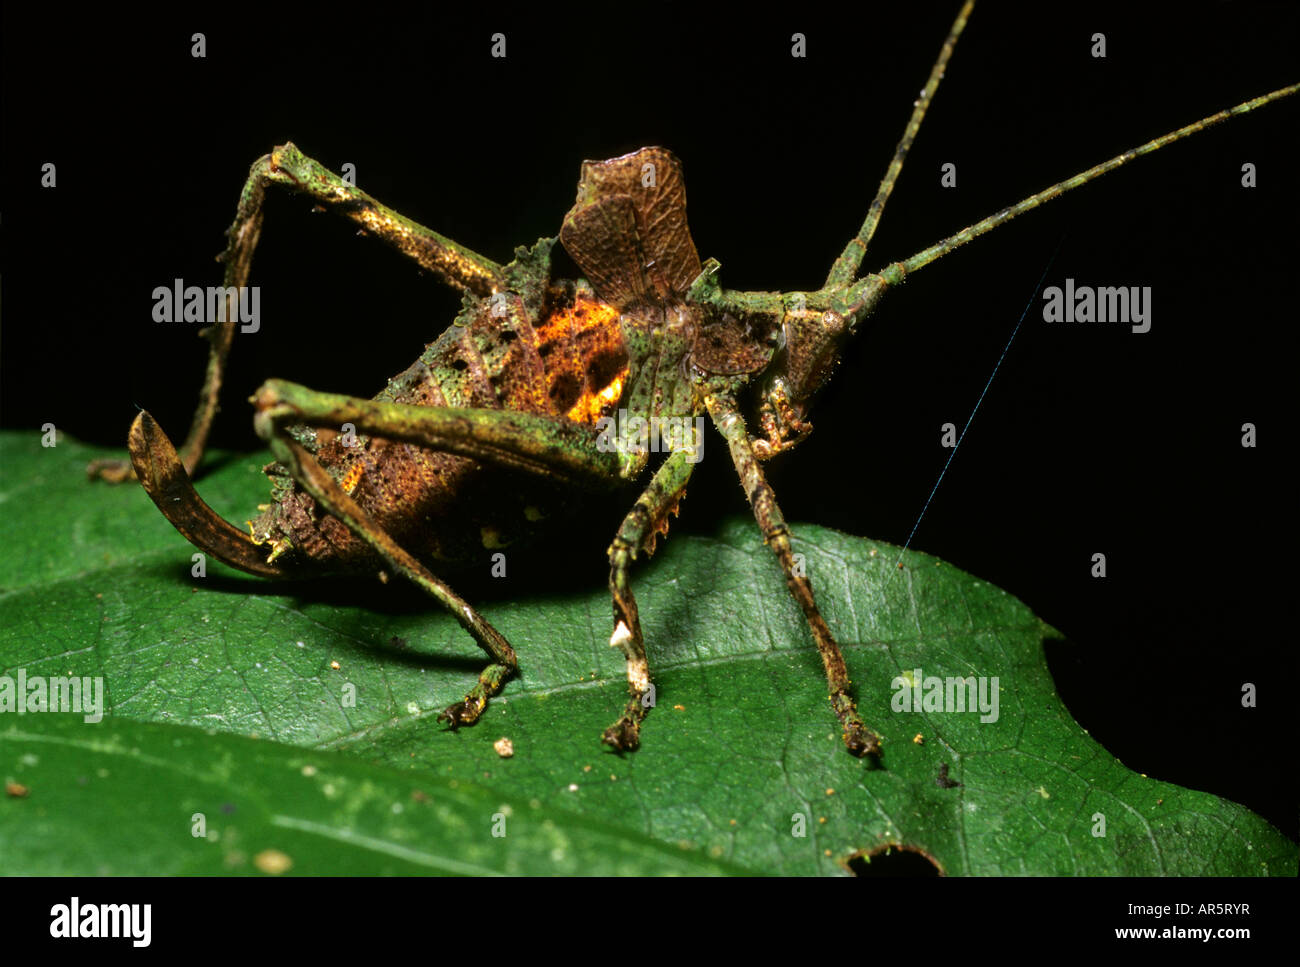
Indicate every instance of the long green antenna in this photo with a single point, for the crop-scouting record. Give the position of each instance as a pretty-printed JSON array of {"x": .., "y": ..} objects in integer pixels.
[
  {"x": 846, "y": 266},
  {"x": 896, "y": 272}
]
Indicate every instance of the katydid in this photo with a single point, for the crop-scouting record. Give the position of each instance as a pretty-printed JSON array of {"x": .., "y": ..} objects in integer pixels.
[{"x": 525, "y": 384}]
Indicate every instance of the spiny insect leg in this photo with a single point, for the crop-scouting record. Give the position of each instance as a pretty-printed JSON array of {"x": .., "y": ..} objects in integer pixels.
[
  {"x": 290, "y": 168},
  {"x": 859, "y": 739},
  {"x": 530, "y": 442},
  {"x": 640, "y": 528},
  {"x": 525, "y": 441},
  {"x": 327, "y": 492}
]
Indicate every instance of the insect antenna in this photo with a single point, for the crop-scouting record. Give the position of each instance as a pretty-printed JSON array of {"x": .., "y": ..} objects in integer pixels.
[
  {"x": 895, "y": 273},
  {"x": 845, "y": 268}
]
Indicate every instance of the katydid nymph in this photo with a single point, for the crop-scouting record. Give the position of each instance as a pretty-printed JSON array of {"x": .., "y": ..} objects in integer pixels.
[{"x": 536, "y": 381}]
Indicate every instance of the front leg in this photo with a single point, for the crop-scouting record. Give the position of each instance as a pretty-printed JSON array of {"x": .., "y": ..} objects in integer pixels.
[
  {"x": 782, "y": 425},
  {"x": 640, "y": 529}
]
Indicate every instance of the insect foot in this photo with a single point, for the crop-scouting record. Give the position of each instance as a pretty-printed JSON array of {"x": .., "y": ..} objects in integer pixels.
[
  {"x": 623, "y": 736},
  {"x": 462, "y": 713},
  {"x": 858, "y": 739}
]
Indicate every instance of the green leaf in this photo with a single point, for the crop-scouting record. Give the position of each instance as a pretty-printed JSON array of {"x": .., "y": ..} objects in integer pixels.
[
  {"x": 223, "y": 701},
  {"x": 126, "y": 797}
]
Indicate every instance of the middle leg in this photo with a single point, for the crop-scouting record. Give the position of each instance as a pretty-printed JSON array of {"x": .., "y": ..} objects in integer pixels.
[{"x": 859, "y": 739}]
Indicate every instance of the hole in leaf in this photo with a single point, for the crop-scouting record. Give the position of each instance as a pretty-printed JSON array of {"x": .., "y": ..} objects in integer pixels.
[{"x": 894, "y": 859}]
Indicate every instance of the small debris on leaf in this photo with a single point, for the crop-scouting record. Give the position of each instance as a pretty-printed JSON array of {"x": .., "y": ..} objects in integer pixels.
[{"x": 273, "y": 862}]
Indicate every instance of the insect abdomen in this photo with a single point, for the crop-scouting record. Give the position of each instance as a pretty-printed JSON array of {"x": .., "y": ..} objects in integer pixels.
[{"x": 445, "y": 508}]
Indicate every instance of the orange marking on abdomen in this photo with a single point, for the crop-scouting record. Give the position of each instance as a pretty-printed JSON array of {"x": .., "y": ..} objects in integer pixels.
[
  {"x": 584, "y": 343},
  {"x": 590, "y": 406},
  {"x": 349, "y": 483}
]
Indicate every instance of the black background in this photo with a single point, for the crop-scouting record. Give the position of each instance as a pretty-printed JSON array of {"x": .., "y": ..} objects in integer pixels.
[{"x": 1091, "y": 438}]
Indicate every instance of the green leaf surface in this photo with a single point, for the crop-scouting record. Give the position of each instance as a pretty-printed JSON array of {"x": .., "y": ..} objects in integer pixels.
[{"x": 223, "y": 700}]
